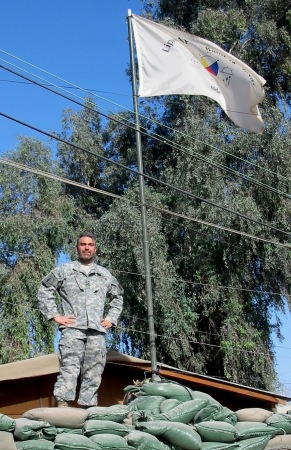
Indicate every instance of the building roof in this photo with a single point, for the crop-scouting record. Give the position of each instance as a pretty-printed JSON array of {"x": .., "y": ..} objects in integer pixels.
[{"x": 49, "y": 364}]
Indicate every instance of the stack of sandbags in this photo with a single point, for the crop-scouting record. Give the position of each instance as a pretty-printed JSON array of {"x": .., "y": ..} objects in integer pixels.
[{"x": 160, "y": 415}]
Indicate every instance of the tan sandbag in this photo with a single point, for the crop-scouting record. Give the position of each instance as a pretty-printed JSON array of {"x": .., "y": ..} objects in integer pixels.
[
  {"x": 252, "y": 415},
  {"x": 279, "y": 442},
  {"x": 59, "y": 417},
  {"x": 7, "y": 441}
]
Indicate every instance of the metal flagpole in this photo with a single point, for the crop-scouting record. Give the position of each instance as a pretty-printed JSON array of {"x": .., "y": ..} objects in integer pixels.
[{"x": 152, "y": 336}]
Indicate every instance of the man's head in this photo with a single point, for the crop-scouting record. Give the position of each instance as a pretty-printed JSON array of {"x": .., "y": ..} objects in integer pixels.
[{"x": 86, "y": 247}]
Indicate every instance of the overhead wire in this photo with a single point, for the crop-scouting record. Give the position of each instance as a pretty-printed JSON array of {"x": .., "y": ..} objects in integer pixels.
[
  {"x": 136, "y": 172},
  {"x": 90, "y": 91},
  {"x": 138, "y": 331},
  {"x": 143, "y": 130},
  {"x": 149, "y": 206},
  {"x": 128, "y": 169},
  {"x": 134, "y": 330},
  {"x": 175, "y": 280}
]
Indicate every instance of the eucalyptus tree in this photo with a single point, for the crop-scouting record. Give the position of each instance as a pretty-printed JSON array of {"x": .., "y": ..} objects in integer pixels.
[
  {"x": 235, "y": 283},
  {"x": 36, "y": 220}
]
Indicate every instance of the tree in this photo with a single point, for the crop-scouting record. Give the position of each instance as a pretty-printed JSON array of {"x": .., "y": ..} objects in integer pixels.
[
  {"x": 232, "y": 279},
  {"x": 36, "y": 220}
]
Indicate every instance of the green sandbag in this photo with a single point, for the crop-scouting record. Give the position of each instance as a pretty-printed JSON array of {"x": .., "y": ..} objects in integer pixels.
[
  {"x": 216, "y": 412},
  {"x": 216, "y": 431},
  {"x": 110, "y": 441},
  {"x": 176, "y": 433},
  {"x": 115, "y": 413},
  {"x": 70, "y": 441},
  {"x": 69, "y": 430},
  {"x": 219, "y": 446},
  {"x": 92, "y": 427},
  {"x": 282, "y": 421},
  {"x": 258, "y": 443},
  {"x": 26, "y": 429},
  {"x": 203, "y": 395},
  {"x": 145, "y": 441},
  {"x": 167, "y": 390},
  {"x": 248, "y": 430},
  {"x": 6, "y": 423},
  {"x": 146, "y": 403},
  {"x": 169, "y": 404},
  {"x": 35, "y": 444},
  {"x": 185, "y": 412},
  {"x": 141, "y": 416}
]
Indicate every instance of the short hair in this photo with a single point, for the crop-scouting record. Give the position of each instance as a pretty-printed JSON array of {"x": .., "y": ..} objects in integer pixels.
[{"x": 90, "y": 235}]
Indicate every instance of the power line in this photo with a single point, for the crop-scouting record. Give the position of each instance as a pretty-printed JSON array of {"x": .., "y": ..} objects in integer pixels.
[
  {"x": 166, "y": 211},
  {"x": 91, "y": 91},
  {"x": 136, "y": 172},
  {"x": 128, "y": 329},
  {"x": 175, "y": 280},
  {"x": 144, "y": 131}
]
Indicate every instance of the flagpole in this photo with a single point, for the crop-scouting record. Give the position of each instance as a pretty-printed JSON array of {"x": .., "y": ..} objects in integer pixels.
[{"x": 145, "y": 240}]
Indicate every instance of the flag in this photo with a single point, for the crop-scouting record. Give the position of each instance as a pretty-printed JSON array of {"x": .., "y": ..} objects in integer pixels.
[{"x": 174, "y": 62}]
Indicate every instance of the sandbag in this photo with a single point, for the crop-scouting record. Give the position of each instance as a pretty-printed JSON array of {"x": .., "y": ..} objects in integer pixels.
[
  {"x": 6, "y": 423},
  {"x": 184, "y": 412},
  {"x": 167, "y": 390},
  {"x": 115, "y": 413},
  {"x": 203, "y": 395},
  {"x": 110, "y": 441},
  {"x": 26, "y": 429},
  {"x": 176, "y": 433},
  {"x": 70, "y": 430},
  {"x": 216, "y": 431},
  {"x": 140, "y": 416},
  {"x": 67, "y": 441},
  {"x": 279, "y": 442},
  {"x": 282, "y": 421},
  {"x": 219, "y": 446},
  {"x": 7, "y": 441},
  {"x": 35, "y": 444},
  {"x": 248, "y": 430},
  {"x": 147, "y": 403},
  {"x": 258, "y": 443},
  {"x": 216, "y": 412},
  {"x": 144, "y": 441},
  {"x": 252, "y": 414},
  {"x": 59, "y": 417},
  {"x": 92, "y": 427},
  {"x": 206, "y": 413},
  {"x": 169, "y": 404}
]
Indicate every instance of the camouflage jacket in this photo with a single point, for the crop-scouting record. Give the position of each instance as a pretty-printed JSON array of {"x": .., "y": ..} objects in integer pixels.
[{"x": 82, "y": 295}]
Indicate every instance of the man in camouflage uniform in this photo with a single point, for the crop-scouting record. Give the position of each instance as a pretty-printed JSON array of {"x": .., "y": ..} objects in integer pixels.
[{"x": 83, "y": 287}]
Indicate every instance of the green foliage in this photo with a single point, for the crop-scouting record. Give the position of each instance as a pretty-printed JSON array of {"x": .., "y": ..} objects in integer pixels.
[
  {"x": 35, "y": 223},
  {"x": 258, "y": 32},
  {"x": 215, "y": 293}
]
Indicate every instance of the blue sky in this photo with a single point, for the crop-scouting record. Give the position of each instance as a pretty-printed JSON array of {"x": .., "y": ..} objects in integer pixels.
[{"x": 84, "y": 42}]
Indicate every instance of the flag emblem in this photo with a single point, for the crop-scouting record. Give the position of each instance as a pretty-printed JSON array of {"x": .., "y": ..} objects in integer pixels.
[{"x": 210, "y": 64}]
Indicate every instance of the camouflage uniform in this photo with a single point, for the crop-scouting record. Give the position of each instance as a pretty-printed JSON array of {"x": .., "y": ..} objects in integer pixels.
[{"x": 82, "y": 348}]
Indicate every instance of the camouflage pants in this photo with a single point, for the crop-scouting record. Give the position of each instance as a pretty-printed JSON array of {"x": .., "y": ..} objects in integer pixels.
[{"x": 81, "y": 352}]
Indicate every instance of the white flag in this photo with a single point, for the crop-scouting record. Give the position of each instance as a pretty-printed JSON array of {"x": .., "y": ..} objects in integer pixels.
[{"x": 174, "y": 62}]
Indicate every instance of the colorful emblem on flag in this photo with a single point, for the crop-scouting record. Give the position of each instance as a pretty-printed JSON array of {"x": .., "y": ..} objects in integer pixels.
[{"x": 210, "y": 64}]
